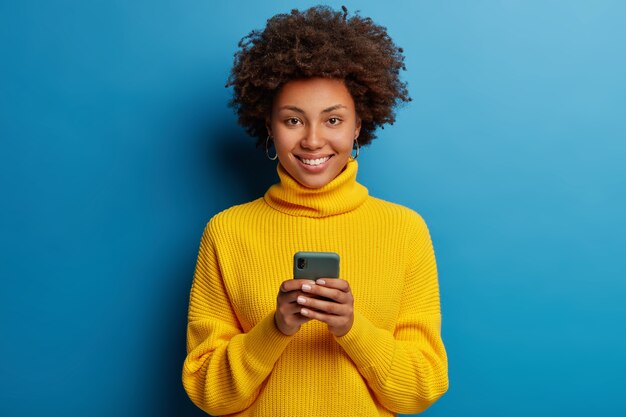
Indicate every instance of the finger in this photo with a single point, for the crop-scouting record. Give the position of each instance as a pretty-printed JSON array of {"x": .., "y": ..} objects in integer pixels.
[
  {"x": 293, "y": 284},
  {"x": 288, "y": 297},
  {"x": 297, "y": 319},
  {"x": 328, "y": 307},
  {"x": 329, "y": 293},
  {"x": 290, "y": 313},
  {"x": 330, "y": 319},
  {"x": 291, "y": 296},
  {"x": 336, "y": 283}
]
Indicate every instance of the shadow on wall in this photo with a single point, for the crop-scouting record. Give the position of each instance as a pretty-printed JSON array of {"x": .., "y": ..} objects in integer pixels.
[
  {"x": 227, "y": 157},
  {"x": 171, "y": 394},
  {"x": 243, "y": 163}
]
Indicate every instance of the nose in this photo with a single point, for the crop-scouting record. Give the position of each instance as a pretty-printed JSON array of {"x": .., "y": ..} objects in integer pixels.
[{"x": 312, "y": 139}]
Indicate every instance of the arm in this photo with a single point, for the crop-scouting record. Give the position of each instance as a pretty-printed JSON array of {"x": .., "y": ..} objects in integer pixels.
[
  {"x": 224, "y": 368},
  {"x": 407, "y": 370}
]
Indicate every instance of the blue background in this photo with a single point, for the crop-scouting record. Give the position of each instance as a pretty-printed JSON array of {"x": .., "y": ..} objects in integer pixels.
[{"x": 117, "y": 147}]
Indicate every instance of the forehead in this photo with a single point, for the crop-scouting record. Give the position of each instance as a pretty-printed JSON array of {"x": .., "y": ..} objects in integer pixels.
[{"x": 314, "y": 94}]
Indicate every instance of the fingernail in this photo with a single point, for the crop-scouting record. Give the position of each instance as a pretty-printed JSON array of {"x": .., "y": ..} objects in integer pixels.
[
  {"x": 306, "y": 287},
  {"x": 301, "y": 300},
  {"x": 304, "y": 312},
  {"x": 321, "y": 281}
]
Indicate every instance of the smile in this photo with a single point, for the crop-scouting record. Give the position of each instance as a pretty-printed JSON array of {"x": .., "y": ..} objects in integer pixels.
[{"x": 314, "y": 162}]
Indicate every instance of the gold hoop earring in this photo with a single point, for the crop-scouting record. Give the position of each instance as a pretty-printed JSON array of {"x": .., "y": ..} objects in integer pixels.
[
  {"x": 267, "y": 149},
  {"x": 355, "y": 148}
]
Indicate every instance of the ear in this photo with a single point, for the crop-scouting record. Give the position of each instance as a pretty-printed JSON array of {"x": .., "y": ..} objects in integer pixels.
[
  {"x": 357, "y": 128},
  {"x": 268, "y": 126}
]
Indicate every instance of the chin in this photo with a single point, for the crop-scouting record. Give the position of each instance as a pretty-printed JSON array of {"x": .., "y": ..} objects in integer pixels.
[{"x": 314, "y": 184}]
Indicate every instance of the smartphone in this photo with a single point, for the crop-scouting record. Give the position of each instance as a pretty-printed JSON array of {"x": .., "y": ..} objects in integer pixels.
[{"x": 314, "y": 265}]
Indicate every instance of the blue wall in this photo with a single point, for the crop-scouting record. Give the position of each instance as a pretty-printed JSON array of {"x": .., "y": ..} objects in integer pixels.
[{"x": 117, "y": 147}]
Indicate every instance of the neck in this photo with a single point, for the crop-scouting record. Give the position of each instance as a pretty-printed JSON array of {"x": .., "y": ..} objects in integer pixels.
[{"x": 341, "y": 195}]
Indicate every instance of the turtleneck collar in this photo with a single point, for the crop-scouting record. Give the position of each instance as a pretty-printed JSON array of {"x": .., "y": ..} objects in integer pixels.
[{"x": 341, "y": 195}]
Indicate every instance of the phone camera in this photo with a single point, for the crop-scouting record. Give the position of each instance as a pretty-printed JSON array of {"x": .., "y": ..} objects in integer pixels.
[{"x": 301, "y": 263}]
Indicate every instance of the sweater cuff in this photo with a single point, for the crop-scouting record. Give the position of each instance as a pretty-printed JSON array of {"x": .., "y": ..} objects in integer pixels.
[
  {"x": 367, "y": 345},
  {"x": 264, "y": 343}
]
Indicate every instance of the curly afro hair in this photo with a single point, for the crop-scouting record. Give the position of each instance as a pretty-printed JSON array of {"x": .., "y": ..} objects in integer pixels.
[{"x": 318, "y": 42}]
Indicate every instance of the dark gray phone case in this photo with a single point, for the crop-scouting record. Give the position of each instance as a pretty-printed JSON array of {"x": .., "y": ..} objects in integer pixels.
[{"x": 313, "y": 265}]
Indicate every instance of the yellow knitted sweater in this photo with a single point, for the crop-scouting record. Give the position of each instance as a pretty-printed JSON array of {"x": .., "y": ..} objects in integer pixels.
[{"x": 391, "y": 361}]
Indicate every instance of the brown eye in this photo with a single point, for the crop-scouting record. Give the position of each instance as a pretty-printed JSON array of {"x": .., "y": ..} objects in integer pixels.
[
  {"x": 292, "y": 121},
  {"x": 333, "y": 121}
]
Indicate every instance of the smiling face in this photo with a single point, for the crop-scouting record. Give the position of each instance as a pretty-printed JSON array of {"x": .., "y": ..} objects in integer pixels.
[{"x": 314, "y": 124}]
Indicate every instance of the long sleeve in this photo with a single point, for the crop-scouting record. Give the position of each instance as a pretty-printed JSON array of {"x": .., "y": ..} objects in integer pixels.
[
  {"x": 391, "y": 361},
  {"x": 225, "y": 368},
  {"x": 406, "y": 369}
]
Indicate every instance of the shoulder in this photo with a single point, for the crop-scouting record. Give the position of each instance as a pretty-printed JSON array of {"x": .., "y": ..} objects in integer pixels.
[
  {"x": 238, "y": 211},
  {"x": 394, "y": 212},
  {"x": 234, "y": 217},
  {"x": 409, "y": 228}
]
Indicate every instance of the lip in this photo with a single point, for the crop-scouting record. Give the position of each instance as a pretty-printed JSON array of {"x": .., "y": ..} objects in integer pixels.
[{"x": 313, "y": 168}]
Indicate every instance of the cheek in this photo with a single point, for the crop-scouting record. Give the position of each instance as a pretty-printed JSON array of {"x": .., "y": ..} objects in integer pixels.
[
  {"x": 284, "y": 140},
  {"x": 344, "y": 143},
  {"x": 347, "y": 149},
  {"x": 281, "y": 149}
]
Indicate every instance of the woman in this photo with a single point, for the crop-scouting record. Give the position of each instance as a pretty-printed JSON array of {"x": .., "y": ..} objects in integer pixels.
[{"x": 314, "y": 85}]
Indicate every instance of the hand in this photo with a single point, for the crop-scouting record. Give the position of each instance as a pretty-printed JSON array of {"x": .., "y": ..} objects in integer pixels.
[
  {"x": 337, "y": 311},
  {"x": 287, "y": 316}
]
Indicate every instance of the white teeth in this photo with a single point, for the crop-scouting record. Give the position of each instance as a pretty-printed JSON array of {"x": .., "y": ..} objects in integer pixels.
[{"x": 315, "y": 161}]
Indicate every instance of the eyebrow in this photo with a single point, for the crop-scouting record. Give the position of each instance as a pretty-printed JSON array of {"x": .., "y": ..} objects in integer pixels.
[{"x": 326, "y": 110}]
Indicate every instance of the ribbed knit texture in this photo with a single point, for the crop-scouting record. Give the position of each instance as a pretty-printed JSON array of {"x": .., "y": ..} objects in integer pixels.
[{"x": 391, "y": 361}]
